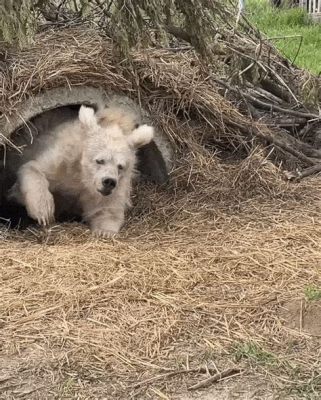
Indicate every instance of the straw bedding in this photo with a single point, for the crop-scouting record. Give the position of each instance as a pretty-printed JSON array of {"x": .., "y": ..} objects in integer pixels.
[{"x": 203, "y": 267}]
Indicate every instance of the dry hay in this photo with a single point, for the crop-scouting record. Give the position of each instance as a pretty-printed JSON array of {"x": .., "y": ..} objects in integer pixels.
[
  {"x": 201, "y": 270},
  {"x": 176, "y": 87}
]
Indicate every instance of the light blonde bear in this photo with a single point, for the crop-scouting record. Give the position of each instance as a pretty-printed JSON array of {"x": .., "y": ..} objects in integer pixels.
[{"x": 91, "y": 162}]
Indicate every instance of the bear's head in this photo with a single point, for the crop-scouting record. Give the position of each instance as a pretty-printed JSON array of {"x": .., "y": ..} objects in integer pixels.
[{"x": 108, "y": 154}]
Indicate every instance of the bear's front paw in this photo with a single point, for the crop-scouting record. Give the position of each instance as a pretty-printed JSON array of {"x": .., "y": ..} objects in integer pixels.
[
  {"x": 41, "y": 207},
  {"x": 104, "y": 234}
]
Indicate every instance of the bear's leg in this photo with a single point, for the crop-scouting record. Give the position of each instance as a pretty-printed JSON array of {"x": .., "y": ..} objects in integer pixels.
[
  {"x": 107, "y": 222},
  {"x": 34, "y": 189}
]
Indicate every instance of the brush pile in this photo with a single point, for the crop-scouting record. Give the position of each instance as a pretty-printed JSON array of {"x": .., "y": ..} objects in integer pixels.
[{"x": 205, "y": 75}]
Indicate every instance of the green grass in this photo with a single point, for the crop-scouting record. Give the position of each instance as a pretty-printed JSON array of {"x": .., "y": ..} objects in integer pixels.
[
  {"x": 299, "y": 385},
  {"x": 252, "y": 352},
  {"x": 288, "y": 22},
  {"x": 312, "y": 293}
]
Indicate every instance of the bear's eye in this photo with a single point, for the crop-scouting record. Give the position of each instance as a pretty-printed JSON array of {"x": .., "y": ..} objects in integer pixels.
[
  {"x": 100, "y": 161},
  {"x": 120, "y": 167}
]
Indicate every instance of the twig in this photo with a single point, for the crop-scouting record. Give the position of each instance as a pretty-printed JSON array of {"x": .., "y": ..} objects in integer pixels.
[
  {"x": 289, "y": 37},
  {"x": 246, "y": 69},
  {"x": 268, "y": 106},
  {"x": 281, "y": 139},
  {"x": 281, "y": 80},
  {"x": 239, "y": 52},
  {"x": 277, "y": 141},
  {"x": 286, "y": 122},
  {"x": 307, "y": 128},
  {"x": 241, "y": 7},
  {"x": 276, "y": 89},
  {"x": 267, "y": 95},
  {"x": 283, "y": 37},
  {"x": 298, "y": 51},
  {"x": 215, "y": 378},
  {"x": 167, "y": 375}
]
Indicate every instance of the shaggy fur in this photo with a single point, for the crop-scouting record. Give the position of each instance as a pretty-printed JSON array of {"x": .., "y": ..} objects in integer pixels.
[
  {"x": 93, "y": 163},
  {"x": 120, "y": 113}
]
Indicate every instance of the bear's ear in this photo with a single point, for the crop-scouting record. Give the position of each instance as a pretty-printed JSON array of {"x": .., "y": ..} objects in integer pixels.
[
  {"x": 141, "y": 136},
  {"x": 87, "y": 117}
]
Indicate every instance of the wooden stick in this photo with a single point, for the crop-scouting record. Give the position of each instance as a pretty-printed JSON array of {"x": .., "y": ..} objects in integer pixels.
[
  {"x": 282, "y": 139},
  {"x": 286, "y": 122},
  {"x": 310, "y": 171},
  {"x": 307, "y": 128},
  {"x": 215, "y": 378},
  {"x": 279, "y": 142},
  {"x": 170, "y": 374},
  {"x": 268, "y": 106},
  {"x": 277, "y": 90},
  {"x": 297, "y": 176}
]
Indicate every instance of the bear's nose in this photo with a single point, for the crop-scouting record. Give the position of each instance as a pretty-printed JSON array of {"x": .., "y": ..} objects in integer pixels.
[{"x": 109, "y": 183}]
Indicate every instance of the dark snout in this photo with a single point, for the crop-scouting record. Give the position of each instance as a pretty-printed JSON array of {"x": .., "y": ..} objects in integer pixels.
[{"x": 108, "y": 184}]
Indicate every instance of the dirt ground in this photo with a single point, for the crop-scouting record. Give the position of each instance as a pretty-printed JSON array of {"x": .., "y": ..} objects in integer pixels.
[{"x": 224, "y": 278}]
